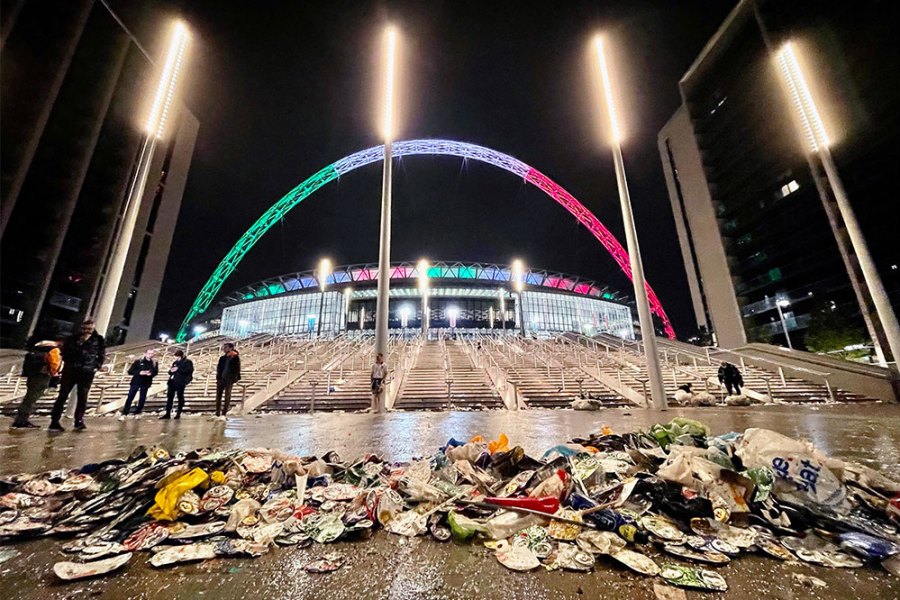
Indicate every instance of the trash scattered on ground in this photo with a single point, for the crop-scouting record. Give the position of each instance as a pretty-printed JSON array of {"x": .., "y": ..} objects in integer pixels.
[
  {"x": 808, "y": 580},
  {"x": 608, "y": 501}
]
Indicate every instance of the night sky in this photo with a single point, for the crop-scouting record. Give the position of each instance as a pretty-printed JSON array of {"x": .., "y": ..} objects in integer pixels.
[{"x": 282, "y": 89}]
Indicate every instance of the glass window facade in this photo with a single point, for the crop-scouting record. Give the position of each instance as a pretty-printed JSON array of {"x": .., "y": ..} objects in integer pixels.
[
  {"x": 544, "y": 312},
  {"x": 290, "y": 314}
]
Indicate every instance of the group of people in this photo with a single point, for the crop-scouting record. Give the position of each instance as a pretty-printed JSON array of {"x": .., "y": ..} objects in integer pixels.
[{"x": 72, "y": 365}]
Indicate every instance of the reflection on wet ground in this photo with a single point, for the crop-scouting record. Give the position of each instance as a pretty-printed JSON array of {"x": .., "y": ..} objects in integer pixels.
[{"x": 393, "y": 567}]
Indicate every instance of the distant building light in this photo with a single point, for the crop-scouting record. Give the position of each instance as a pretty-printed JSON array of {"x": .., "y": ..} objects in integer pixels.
[{"x": 789, "y": 188}]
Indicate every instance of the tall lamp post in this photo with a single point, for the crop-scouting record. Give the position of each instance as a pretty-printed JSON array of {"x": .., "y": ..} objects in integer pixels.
[
  {"x": 518, "y": 280},
  {"x": 423, "y": 290},
  {"x": 648, "y": 333},
  {"x": 154, "y": 130},
  {"x": 813, "y": 131},
  {"x": 384, "y": 249},
  {"x": 348, "y": 292},
  {"x": 323, "y": 273},
  {"x": 779, "y": 304},
  {"x": 502, "y": 295}
]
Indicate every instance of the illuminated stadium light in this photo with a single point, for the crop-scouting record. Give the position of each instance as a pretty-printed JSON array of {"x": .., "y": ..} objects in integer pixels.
[
  {"x": 813, "y": 128},
  {"x": 168, "y": 82},
  {"x": 518, "y": 275},
  {"x": 390, "y": 51},
  {"x": 607, "y": 91},
  {"x": 324, "y": 273},
  {"x": 413, "y": 148}
]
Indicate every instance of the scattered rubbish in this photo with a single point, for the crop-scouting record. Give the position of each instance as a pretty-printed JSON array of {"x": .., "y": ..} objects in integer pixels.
[
  {"x": 636, "y": 561},
  {"x": 70, "y": 571},
  {"x": 327, "y": 564},
  {"x": 808, "y": 581},
  {"x": 674, "y": 487},
  {"x": 694, "y": 578},
  {"x": 8, "y": 553},
  {"x": 516, "y": 557}
]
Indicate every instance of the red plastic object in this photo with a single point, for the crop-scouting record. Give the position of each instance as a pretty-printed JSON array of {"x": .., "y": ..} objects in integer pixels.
[{"x": 546, "y": 504}]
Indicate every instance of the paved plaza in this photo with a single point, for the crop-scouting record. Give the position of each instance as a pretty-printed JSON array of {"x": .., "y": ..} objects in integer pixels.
[{"x": 393, "y": 567}]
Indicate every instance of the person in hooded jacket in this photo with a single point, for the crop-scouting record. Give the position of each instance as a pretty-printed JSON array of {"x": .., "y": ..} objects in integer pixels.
[
  {"x": 731, "y": 377},
  {"x": 41, "y": 364},
  {"x": 142, "y": 372},
  {"x": 181, "y": 373},
  {"x": 228, "y": 372}
]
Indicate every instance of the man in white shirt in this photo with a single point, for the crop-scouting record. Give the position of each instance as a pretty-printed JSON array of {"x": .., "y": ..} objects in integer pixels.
[{"x": 379, "y": 374}]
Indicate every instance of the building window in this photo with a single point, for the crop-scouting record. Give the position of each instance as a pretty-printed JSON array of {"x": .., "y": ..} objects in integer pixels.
[{"x": 789, "y": 188}]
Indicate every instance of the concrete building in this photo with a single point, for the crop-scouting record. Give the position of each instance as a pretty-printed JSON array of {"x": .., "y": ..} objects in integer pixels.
[
  {"x": 74, "y": 84},
  {"x": 755, "y": 220}
]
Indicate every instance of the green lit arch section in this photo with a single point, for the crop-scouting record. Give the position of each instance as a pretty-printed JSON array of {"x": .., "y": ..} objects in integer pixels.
[{"x": 407, "y": 148}]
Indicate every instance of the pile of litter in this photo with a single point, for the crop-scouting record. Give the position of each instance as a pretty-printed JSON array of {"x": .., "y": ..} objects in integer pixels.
[{"x": 587, "y": 504}]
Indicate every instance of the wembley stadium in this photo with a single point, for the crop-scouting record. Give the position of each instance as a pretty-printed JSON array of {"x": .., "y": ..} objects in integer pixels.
[{"x": 455, "y": 296}]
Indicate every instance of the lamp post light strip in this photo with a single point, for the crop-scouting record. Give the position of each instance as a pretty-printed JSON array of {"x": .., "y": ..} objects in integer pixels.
[{"x": 648, "y": 332}]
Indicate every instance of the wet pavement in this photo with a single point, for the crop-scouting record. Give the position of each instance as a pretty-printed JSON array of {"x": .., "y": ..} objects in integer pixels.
[{"x": 399, "y": 568}]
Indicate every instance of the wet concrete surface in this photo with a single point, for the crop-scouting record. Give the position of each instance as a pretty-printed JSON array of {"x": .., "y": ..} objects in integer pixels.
[{"x": 390, "y": 567}]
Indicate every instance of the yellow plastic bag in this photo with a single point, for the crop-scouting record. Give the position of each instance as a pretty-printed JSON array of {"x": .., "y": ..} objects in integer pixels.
[
  {"x": 499, "y": 445},
  {"x": 166, "y": 507},
  {"x": 218, "y": 477}
]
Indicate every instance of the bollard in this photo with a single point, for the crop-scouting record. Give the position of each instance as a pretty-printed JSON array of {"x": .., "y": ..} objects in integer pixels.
[
  {"x": 580, "y": 381},
  {"x": 768, "y": 381},
  {"x": 449, "y": 383},
  {"x": 674, "y": 377}
]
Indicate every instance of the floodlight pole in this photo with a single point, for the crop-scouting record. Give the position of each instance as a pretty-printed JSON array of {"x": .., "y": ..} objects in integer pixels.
[
  {"x": 155, "y": 129},
  {"x": 384, "y": 249},
  {"x": 787, "y": 336},
  {"x": 813, "y": 129},
  {"x": 107, "y": 298},
  {"x": 880, "y": 299},
  {"x": 648, "y": 332}
]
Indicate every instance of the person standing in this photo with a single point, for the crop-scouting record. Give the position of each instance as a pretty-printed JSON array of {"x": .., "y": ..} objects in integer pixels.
[
  {"x": 181, "y": 373},
  {"x": 731, "y": 377},
  {"x": 83, "y": 354},
  {"x": 142, "y": 372},
  {"x": 378, "y": 376},
  {"x": 41, "y": 364},
  {"x": 228, "y": 372}
]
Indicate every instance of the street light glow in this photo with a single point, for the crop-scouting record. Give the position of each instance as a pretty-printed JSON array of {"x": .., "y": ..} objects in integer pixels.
[
  {"x": 607, "y": 90},
  {"x": 518, "y": 275},
  {"x": 783, "y": 303},
  {"x": 813, "y": 127},
  {"x": 391, "y": 44},
  {"x": 165, "y": 91},
  {"x": 324, "y": 272},
  {"x": 423, "y": 267}
]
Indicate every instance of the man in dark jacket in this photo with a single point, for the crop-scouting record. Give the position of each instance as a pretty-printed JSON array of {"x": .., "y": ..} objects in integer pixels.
[
  {"x": 142, "y": 372},
  {"x": 180, "y": 374},
  {"x": 228, "y": 372},
  {"x": 731, "y": 376},
  {"x": 83, "y": 354}
]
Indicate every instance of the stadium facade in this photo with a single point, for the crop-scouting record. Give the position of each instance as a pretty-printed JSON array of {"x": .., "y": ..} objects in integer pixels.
[{"x": 460, "y": 296}]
